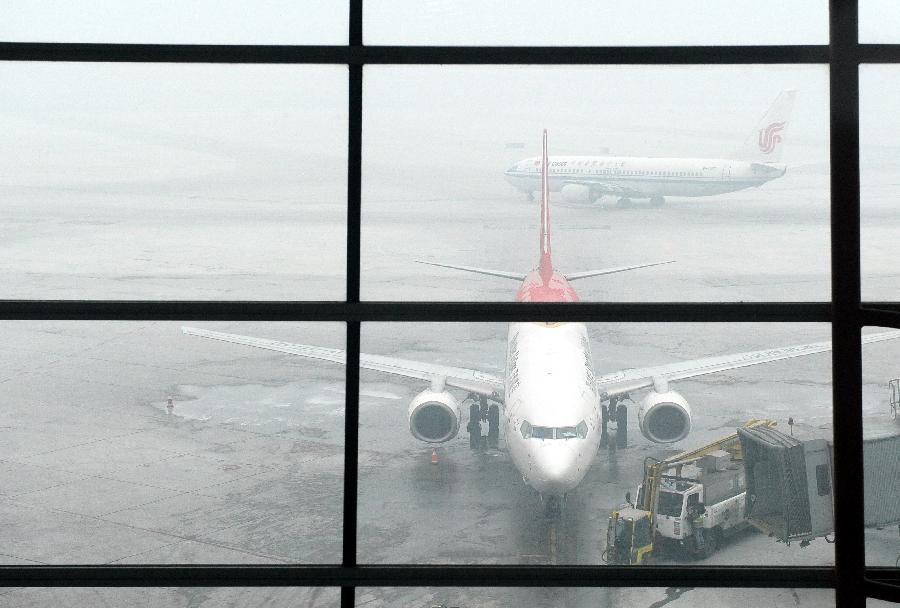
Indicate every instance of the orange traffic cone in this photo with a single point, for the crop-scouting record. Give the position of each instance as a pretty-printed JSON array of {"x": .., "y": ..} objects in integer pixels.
[{"x": 434, "y": 456}]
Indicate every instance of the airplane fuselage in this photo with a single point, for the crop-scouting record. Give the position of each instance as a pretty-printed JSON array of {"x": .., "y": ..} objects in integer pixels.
[
  {"x": 645, "y": 177},
  {"x": 552, "y": 410}
]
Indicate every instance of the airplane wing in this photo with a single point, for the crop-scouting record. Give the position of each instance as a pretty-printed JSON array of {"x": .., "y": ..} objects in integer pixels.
[
  {"x": 518, "y": 276},
  {"x": 467, "y": 379},
  {"x": 625, "y": 381},
  {"x": 601, "y": 186}
]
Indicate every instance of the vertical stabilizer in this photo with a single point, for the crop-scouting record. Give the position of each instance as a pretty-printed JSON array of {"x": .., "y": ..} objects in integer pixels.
[
  {"x": 766, "y": 142},
  {"x": 546, "y": 265}
]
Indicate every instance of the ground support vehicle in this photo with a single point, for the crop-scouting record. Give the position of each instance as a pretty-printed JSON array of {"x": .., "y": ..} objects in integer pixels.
[{"x": 691, "y": 509}]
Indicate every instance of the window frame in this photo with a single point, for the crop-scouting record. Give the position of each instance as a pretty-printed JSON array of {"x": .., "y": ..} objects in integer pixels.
[{"x": 845, "y": 312}]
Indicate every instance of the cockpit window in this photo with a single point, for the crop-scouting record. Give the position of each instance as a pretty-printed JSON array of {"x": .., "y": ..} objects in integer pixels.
[
  {"x": 549, "y": 432},
  {"x": 581, "y": 429},
  {"x": 542, "y": 432}
]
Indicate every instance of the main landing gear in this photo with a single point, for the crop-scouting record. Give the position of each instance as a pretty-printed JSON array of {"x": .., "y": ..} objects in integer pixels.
[
  {"x": 657, "y": 201},
  {"x": 483, "y": 413},
  {"x": 617, "y": 412}
]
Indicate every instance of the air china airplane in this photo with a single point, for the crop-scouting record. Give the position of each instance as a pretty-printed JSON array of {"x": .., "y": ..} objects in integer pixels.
[
  {"x": 587, "y": 178},
  {"x": 551, "y": 405}
]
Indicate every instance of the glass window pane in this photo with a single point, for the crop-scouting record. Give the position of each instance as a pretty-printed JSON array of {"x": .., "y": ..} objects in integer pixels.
[
  {"x": 879, "y": 132},
  {"x": 484, "y": 492},
  {"x": 590, "y": 23},
  {"x": 246, "y": 466},
  {"x": 652, "y": 164},
  {"x": 881, "y": 452},
  {"x": 878, "y": 21},
  {"x": 176, "y": 597},
  {"x": 194, "y": 22},
  {"x": 558, "y": 597},
  {"x": 157, "y": 181}
]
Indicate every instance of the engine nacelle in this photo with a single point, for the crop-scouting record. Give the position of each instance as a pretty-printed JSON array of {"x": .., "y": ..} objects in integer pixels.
[
  {"x": 434, "y": 416},
  {"x": 576, "y": 193},
  {"x": 664, "y": 417}
]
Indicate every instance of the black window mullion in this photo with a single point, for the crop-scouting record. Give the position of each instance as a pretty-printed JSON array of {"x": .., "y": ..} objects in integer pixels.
[
  {"x": 354, "y": 213},
  {"x": 845, "y": 294}
]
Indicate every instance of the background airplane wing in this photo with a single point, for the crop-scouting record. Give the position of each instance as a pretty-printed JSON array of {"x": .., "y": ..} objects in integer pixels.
[
  {"x": 518, "y": 276},
  {"x": 574, "y": 276},
  {"x": 600, "y": 186},
  {"x": 625, "y": 381},
  {"x": 458, "y": 377}
]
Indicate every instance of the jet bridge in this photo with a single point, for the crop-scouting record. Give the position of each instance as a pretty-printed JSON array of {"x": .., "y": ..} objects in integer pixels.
[{"x": 789, "y": 483}]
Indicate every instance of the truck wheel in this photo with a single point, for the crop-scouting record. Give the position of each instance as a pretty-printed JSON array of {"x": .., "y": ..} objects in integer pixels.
[{"x": 706, "y": 547}]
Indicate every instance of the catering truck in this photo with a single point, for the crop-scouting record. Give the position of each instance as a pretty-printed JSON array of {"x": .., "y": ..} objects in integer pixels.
[{"x": 689, "y": 501}]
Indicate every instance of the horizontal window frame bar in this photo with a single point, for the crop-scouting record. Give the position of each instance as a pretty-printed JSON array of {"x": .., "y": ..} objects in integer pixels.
[
  {"x": 468, "y": 55},
  {"x": 255, "y": 575},
  {"x": 232, "y": 310}
]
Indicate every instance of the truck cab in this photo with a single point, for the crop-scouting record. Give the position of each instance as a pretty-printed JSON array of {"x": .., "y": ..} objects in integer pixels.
[
  {"x": 679, "y": 503},
  {"x": 695, "y": 511}
]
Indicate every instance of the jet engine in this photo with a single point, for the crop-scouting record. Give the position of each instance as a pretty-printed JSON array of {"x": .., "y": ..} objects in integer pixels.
[
  {"x": 664, "y": 417},
  {"x": 434, "y": 416},
  {"x": 576, "y": 193}
]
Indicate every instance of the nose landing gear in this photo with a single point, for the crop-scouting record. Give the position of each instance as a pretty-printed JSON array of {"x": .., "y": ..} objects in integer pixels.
[{"x": 553, "y": 506}]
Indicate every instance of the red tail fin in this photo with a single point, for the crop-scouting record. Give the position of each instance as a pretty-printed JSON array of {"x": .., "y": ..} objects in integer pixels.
[{"x": 546, "y": 265}]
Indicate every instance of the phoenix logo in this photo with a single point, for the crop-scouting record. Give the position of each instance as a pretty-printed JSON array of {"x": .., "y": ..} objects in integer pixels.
[{"x": 769, "y": 138}]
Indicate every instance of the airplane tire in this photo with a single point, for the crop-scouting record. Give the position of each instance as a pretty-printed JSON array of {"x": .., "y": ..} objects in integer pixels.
[
  {"x": 493, "y": 437},
  {"x": 604, "y": 420},
  {"x": 624, "y": 203},
  {"x": 709, "y": 544},
  {"x": 622, "y": 426},
  {"x": 474, "y": 427},
  {"x": 657, "y": 201}
]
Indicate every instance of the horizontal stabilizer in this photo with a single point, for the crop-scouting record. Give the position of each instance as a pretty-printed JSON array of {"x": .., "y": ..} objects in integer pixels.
[
  {"x": 593, "y": 273},
  {"x": 518, "y": 276}
]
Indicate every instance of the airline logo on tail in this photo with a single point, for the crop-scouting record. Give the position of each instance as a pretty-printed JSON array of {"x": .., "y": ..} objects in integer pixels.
[{"x": 769, "y": 137}]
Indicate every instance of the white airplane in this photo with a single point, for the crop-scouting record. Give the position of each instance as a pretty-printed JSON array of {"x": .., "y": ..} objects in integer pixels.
[
  {"x": 553, "y": 407},
  {"x": 587, "y": 178}
]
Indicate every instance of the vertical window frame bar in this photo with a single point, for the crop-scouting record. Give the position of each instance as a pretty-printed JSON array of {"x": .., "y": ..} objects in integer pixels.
[
  {"x": 849, "y": 549},
  {"x": 354, "y": 221}
]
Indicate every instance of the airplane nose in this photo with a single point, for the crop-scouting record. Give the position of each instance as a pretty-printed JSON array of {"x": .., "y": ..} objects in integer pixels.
[{"x": 554, "y": 468}]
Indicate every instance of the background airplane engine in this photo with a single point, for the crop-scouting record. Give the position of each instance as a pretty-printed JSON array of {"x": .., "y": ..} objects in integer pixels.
[
  {"x": 434, "y": 416},
  {"x": 576, "y": 193},
  {"x": 664, "y": 417}
]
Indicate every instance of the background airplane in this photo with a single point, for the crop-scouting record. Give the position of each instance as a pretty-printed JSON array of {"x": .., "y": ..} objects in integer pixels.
[
  {"x": 587, "y": 178},
  {"x": 550, "y": 404}
]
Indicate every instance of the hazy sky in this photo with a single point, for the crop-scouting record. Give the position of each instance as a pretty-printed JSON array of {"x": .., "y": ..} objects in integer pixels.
[
  {"x": 173, "y": 22},
  {"x": 93, "y": 123},
  {"x": 593, "y": 22},
  {"x": 460, "y": 22}
]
